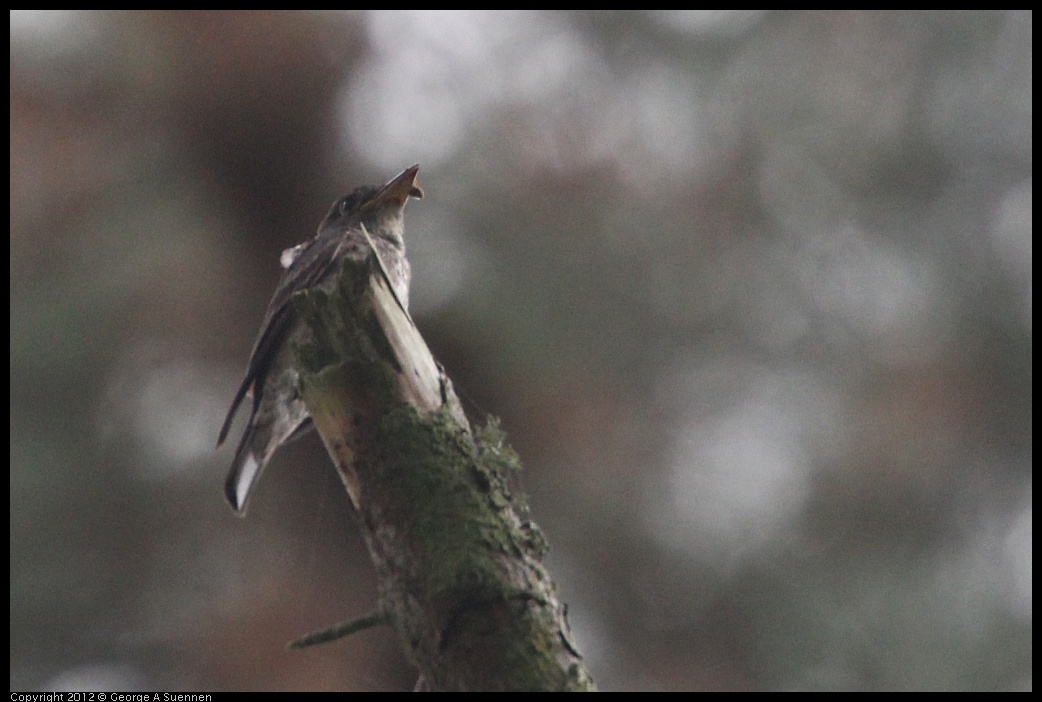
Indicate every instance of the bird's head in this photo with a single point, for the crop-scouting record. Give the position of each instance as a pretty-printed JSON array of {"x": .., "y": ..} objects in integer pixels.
[{"x": 379, "y": 208}]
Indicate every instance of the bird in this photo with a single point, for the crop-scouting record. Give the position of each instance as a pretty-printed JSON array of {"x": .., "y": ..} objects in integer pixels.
[{"x": 368, "y": 218}]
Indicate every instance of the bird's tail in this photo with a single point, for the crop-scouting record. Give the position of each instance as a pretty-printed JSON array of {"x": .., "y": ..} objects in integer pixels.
[
  {"x": 256, "y": 448},
  {"x": 245, "y": 470}
]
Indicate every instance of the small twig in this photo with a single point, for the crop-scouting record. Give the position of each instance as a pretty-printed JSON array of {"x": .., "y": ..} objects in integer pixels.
[{"x": 339, "y": 631}]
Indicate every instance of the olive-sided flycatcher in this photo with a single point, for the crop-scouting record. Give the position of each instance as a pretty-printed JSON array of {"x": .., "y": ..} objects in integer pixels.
[{"x": 278, "y": 415}]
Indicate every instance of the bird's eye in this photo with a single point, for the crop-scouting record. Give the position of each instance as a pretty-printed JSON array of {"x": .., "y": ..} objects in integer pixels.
[{"x": 344, "y": 206}]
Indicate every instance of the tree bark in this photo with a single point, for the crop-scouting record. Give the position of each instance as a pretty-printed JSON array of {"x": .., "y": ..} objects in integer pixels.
[{"x": 457, "y": 556}]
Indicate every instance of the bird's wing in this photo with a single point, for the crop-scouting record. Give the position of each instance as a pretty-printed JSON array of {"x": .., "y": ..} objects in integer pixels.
[
  {"x": 306, "y": 270},
  {"x": 375, "y": 252}
]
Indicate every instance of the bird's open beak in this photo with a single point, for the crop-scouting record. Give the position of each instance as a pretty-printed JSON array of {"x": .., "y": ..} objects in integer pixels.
[{"x": 399, "y": 189}]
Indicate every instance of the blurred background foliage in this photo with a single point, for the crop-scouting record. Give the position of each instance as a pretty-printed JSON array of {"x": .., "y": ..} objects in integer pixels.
[{"x": 751, "y": 292}]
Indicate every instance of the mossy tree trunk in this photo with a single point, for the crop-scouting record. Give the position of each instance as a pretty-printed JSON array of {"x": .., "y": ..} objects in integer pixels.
[{"x": 457, "y": 556}]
